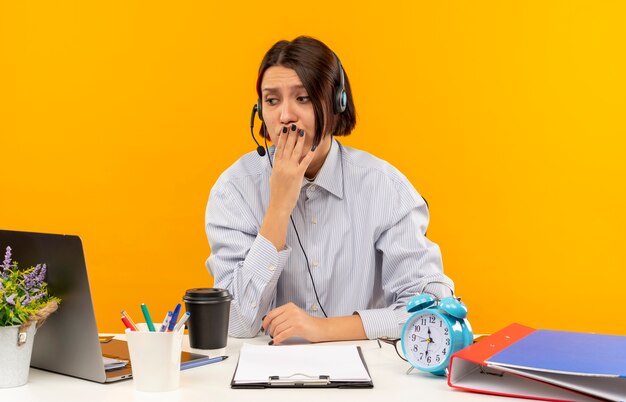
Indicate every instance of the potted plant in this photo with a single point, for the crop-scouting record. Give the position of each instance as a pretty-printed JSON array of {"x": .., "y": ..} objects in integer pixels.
[{"x": 24, "y": 305}]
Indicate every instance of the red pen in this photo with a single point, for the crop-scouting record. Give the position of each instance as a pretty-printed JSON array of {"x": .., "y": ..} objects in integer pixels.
[
  {"x": 127, "y": 324},
  {"x": 133, "y": 326}
]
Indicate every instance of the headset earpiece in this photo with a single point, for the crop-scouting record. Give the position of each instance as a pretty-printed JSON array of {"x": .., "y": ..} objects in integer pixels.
[
  {"x": 259, "y": 109},
  {"x": 340, "y": 100}
]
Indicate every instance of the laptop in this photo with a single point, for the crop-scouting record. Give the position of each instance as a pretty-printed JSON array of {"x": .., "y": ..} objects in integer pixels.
[{"x": 68, "y": 342}]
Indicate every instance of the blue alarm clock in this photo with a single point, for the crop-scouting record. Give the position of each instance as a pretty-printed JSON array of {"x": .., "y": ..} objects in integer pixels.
[{"x": 436, "y": 330}]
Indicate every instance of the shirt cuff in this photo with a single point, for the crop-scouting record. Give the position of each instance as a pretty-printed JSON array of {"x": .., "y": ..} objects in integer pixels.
[
  {"x": 389, "y": 322},
  {"x": 383, "y": 322},
  {"x": 265, "y": 261}
]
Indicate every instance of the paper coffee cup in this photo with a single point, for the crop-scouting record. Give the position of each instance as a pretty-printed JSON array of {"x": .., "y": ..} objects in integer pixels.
[{"x": 208, "y": 322}]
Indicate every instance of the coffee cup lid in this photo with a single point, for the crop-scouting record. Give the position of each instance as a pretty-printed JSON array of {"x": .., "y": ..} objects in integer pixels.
[{"x": 207, "y": 295}]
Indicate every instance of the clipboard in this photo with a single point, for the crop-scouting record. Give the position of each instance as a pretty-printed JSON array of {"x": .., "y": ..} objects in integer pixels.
[{"x": 336, "y": 366}]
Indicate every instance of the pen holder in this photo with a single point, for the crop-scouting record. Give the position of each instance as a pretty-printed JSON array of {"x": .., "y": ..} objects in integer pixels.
[{"x": 155, "y": 358}]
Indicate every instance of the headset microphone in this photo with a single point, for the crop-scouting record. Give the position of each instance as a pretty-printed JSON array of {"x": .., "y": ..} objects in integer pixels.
[{"x": 259, "y": 149}]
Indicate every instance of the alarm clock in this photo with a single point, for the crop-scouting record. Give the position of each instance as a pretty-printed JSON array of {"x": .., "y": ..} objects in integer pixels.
[{"x": 436, "y": 330}]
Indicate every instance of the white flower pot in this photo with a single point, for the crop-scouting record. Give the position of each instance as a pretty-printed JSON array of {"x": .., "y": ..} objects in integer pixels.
[{"x": 14, "y": 359}]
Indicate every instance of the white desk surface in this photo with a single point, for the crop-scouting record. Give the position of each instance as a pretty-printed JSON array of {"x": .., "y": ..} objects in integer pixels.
[{"x": 212, "y": 383}]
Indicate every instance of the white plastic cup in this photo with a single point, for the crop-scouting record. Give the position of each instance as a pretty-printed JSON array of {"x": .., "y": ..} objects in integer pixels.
[{"x": 155, "y": 358}]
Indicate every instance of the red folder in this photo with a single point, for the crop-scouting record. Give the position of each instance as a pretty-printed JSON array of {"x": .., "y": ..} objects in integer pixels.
[{"x": 494, "y": 366}]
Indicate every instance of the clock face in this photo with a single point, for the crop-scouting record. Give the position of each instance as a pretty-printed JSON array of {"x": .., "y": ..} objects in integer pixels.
[{"x": 427, "y": 339}]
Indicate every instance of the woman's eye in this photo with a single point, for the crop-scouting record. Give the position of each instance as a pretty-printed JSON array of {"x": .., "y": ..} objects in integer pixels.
[
  {"x": 303, "y": 99},
  {"x": 271, "y": 101}
]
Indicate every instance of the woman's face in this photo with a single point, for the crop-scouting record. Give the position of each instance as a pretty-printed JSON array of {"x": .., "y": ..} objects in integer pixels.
[{"x": 286, "y": 102}]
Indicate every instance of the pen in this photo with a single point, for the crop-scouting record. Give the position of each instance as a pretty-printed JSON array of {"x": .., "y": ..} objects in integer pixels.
[
  {"x": 174, "y": 317},
  {"x": 127, "y": 324},
  {"x": 182, "y": 321},
  {"x": 130, "y": 320},
  {"x": 202, "y": 362},
  {"x": 166, "y": 321},
  {"x": 146, "y": 315}
]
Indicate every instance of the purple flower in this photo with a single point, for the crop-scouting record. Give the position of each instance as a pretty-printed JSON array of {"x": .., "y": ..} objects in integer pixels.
[
  {"x": 30, "y": 280},
  {"x": 1, "y": 286},
  {"x": 42, "y": 273},
  {"x": 37, "y": 297},
  {"x": 6, "y": 264},
  {"x": 11, "y": 299},
  {"x": 26, "y": 300},
  {"x": 36, "y": 277},
  {"x": 7, "y": 259}
]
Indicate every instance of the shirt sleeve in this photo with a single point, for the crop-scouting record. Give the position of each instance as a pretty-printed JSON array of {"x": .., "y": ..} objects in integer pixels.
[
  {"x": 242, "y": 261},
  {"x": 411, "y": 265}
]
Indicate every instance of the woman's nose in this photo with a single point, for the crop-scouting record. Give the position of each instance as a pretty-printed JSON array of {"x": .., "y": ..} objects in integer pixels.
[{"x": 287, "y": 113}]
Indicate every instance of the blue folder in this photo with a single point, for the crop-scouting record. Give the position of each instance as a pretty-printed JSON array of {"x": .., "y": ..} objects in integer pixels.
[
  {"x": 567, "y": 352},
  {"x": 592, "y": 364}
]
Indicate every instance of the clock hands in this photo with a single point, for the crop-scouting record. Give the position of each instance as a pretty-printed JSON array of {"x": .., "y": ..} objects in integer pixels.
[
  {"x": 429, "y": 341},
  {"x": 430, "y": 338}
]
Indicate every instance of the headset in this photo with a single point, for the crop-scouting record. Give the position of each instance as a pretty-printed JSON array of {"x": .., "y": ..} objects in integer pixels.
[{"x": 340, "y": 103}]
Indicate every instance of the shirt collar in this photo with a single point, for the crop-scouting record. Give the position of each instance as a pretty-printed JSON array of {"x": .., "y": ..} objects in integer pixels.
[{"x": 330, "y": 176}]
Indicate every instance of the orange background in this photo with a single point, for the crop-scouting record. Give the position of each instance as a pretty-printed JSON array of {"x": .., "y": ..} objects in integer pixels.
[{"x": 116, "y": 118}]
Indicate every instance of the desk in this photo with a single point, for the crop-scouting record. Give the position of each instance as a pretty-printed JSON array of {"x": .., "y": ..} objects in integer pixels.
[{"x": 211, "y": 383}]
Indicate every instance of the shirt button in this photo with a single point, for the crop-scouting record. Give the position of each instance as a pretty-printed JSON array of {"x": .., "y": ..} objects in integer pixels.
[
  {"x": 314, "y": 220},
  {"x": 272, "y": 267},
  {"x": 253, "y": 305},
  {"x": 313, "y": 187},
  {"x": 316, "y": 264},
  {"x": 314, "y": 307}
]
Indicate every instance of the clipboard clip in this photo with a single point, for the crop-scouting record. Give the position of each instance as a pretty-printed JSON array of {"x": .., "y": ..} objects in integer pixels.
[{"x": 298, "y": 380}]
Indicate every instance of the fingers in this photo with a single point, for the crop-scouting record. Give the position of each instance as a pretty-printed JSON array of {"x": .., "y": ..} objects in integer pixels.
[
  {"x": 308, "y": 158},
  {"x": 284, "y": 335},
  {"x": 280, "y": 144},
  {"x": 297, "y": 150},
  {"x": 290, "y": 320},
  {"x": 281, "y": 319},
  {"x": 284, "y": 325},
  {"x": 291, "y": 139},
  {"x": 290, "y": 144},
  {"x": 277, "y": 322},
  {"x": 273, "y": 314}
]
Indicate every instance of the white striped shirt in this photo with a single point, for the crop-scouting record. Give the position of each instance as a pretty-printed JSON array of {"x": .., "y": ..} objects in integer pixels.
[{"x": 362, "y": 225}]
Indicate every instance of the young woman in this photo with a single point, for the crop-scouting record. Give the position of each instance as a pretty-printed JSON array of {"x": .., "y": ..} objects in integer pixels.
[{"x": 317, "y": 240}]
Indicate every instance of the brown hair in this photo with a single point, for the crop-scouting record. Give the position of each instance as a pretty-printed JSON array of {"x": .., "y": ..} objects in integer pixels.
[{"x": 318, "y": 69}]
